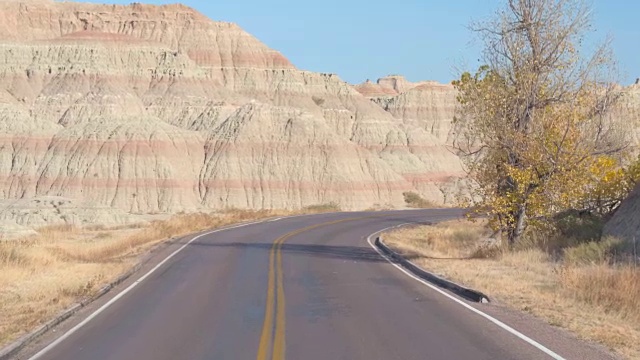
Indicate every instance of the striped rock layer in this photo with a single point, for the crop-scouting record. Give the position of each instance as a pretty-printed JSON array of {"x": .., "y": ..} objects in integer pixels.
[{"x": 149, "y": 109}]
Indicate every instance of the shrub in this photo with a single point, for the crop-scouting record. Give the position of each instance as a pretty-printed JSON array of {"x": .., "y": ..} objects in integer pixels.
[
  {"x": 416, "y": 201},
  {"x": 566, "y": 230},
  {"x": 582, "y": 228},
  {"x": 594, "y": 252},
  {"x": 486, "y": 251},
  {"x": 465, "y": 235},
  {"x": 318, "y": 100},
  {"x": 329, "y": 207}
]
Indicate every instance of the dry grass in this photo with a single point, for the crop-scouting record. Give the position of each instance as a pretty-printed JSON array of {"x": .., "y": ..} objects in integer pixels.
[
  {"x": 448, "y": 241},
  {"x": 44, "y": 274},
  {"x": 588, "y": 293},
  {"x": 612, "y": 288}
]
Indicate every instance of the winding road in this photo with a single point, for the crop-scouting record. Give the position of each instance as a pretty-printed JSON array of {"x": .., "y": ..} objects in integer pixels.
[{"x": 300, "y": 288}]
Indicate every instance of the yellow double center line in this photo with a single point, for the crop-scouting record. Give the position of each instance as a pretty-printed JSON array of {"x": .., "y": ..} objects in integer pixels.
[{"x": 276, "y": 300}]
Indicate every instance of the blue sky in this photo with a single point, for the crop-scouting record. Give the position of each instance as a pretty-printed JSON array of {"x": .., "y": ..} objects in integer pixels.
[{"x": 421, "y": 39}]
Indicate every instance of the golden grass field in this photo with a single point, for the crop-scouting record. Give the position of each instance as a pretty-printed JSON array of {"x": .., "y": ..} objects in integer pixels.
[
  {"x": 596, "y": 299},
  {"x": 42, "y": 275}
]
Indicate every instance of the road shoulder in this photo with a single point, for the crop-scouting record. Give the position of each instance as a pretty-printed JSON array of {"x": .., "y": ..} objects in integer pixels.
[{"x": 475, "y": 274}]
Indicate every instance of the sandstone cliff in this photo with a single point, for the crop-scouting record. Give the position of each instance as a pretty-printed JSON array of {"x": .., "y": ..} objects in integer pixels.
[
  {"x": 427, "y": 104},
  {"x": 150, "y": 109}
]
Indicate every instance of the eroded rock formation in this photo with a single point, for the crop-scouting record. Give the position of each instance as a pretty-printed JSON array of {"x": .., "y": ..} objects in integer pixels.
[
  {"x": 427, "y": 104},
  {"x": 151, "y": 109}
]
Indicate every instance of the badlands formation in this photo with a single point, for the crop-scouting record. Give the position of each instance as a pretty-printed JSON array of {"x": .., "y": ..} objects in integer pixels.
[
  {"x": 108, "y": 111},
  {"x": 428, "y": 104}
]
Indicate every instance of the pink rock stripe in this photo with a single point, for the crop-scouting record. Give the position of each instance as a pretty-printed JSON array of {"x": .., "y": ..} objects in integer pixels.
[
  {"x": 436, "y": 177},
  {"x": 144, "y": 147},
  {"x": 266, "y": 60},
  {"x": 65, "y": 182}
]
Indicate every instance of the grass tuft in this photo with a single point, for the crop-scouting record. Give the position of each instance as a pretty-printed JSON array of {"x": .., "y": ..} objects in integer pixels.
[{"x": 594, "y": 252}]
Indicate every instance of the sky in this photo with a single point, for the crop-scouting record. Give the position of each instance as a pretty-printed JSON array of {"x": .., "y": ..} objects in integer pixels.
[{"x": 420, "y": 39}]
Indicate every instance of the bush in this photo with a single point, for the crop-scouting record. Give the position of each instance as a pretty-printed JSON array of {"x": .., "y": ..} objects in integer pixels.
[
  {"x": 486, "y": 251},
  {"x": 318, "y": 100},
  {"x": 416, "y": 201},
  {"x": 580, "y": 227},
  {"x": 465, "y": 235},
  {"x": 330, "y": 207},
  {"x": 594, "y": 252},
  {"x": 566, "y": 230}
]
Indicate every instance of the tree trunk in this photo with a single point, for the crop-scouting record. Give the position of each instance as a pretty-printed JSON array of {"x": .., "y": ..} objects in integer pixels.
[{"x": 517, "y": 228}]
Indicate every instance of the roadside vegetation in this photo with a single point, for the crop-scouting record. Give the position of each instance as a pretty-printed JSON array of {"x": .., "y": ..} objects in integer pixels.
[
  {"x": 550, "y": 163},
  {"x": 535, "y": 125},
  {"x": 42, "y": 275},
  {"x": 328, "y": 207},
  {"x": 414, "y": 200},
  {"x": 587, "y": 285}
]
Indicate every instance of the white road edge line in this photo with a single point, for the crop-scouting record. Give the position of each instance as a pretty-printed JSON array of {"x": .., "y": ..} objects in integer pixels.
[
  {"x": 134, "y": 284},
  {"x": 128, "y": 289},
  {"x": 460, "y": 302}
]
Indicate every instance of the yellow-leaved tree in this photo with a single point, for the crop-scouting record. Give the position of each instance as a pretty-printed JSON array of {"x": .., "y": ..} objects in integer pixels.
[{"x": 533, "y": 126}]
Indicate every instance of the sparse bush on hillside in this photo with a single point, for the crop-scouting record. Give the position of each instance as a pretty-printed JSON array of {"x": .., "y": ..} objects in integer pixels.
[
  {"x": 380, "y": 207},
  {"x": 329, "y": 207},
  {"x": 318, "y": 100},
  {"x": 416, "y": 201}
]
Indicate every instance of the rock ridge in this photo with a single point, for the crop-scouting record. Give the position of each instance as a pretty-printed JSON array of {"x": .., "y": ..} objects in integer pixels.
[{"x": 157, "y": 109}]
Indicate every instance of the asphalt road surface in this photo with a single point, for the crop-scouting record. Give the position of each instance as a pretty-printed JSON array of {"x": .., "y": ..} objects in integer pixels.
[{"x": 305, "y": 288}]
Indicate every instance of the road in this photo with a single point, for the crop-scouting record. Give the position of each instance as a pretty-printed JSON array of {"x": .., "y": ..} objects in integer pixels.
[{"x": 307, "y": 287}]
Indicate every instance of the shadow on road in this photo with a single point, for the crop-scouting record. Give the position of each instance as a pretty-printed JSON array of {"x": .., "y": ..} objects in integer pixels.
[{"x": 351, "y": 253}]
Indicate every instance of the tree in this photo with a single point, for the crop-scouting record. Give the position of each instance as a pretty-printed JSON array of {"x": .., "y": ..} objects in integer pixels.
[
  {"x": 532, "y": 126},
  {"x": 613, "y": 184}
]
